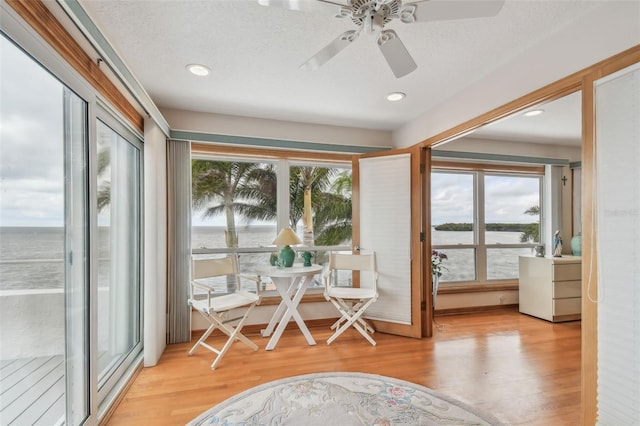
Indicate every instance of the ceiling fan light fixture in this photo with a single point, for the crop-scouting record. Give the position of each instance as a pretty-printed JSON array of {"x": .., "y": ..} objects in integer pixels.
[
  {"x": 396, "y": 96},
  {"x": 199, "y": 70},
  {"x": 533, "y": 112}
]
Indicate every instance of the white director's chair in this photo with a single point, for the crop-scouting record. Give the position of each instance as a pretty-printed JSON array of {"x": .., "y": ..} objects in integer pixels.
[
  {"x": 216, "y": 309},
  {"x": 352, "y": 302}
]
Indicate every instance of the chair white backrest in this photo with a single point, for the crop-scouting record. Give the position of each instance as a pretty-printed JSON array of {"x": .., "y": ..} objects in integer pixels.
[
  {"x": 357, "y": 262},
  {"x": 215, "y": 309},
  {"x": 352, "y": 302},
  {"x": 205, "y": 268}
]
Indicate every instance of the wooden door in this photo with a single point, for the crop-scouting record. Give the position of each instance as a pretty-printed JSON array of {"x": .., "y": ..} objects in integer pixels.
[{"x": 388, "y": 219}]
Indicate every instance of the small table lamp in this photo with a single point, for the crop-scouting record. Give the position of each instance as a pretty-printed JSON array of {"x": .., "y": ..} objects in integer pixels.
[{"x": 285, "y": 238}]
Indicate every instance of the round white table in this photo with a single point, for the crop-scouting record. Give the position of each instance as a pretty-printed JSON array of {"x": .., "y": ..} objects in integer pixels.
[{"x": 291, "y": 283}]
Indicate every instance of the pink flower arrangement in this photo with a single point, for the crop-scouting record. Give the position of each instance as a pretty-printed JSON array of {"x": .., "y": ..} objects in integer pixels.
[{"x": 437, "y": 258}]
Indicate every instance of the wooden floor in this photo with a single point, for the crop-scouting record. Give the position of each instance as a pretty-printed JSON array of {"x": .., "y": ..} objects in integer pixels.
[{"x": 522, "y": 370}]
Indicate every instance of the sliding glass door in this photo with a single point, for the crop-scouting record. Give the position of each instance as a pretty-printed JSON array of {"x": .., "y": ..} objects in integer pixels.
[
  {"x": 119, "y": 251},
  {"x": 70, "y": 247},
  {"x": 44, "y": 252}
]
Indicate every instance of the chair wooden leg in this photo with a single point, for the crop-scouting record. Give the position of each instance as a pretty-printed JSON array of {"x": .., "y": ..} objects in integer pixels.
[
  {"x": 363, "y": 331},
  {"x": 366, "y": 325},
  {"x": 352, "y": 317},
  {"x": 338, "y": 332},
  {"x": 234, "y": 334},
  {"x": 202, "y": 338}
]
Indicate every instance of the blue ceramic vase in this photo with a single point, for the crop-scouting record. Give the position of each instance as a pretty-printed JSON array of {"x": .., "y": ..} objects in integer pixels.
[{"x": 576, "y": 245}]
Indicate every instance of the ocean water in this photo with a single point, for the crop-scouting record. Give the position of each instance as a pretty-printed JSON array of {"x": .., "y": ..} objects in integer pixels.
[{"x": 32, "y": 258}]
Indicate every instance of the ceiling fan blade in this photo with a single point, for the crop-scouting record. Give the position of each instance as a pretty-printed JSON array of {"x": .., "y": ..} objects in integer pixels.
[
  {"x": 304, "y": 5},
  {"x": 444, "y": 10},
  {"x": 330, "y": 50},
  {"x": 395, "y": 53}
]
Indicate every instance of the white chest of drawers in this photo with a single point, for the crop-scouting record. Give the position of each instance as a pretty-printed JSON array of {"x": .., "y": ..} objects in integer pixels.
[{"x": 550, "y": 287}]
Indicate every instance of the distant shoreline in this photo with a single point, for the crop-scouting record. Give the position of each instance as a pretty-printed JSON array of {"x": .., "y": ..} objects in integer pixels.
[{"x": 494, "y": 227}]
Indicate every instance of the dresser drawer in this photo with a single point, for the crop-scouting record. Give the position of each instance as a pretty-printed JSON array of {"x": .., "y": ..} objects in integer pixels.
[
  {"x": 567, "y": 306},
  {"x": 567, "y": 272},
  {"x": 564, "y": 289}
]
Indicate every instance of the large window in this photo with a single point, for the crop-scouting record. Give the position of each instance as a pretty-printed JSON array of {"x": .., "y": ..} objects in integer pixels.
[
  {"x": 482, "y": 221},
  {"x": 239, "y": 204}
]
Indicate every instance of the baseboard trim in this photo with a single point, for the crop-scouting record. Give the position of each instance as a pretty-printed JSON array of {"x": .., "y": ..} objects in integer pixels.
[{"x": 476, "y": 309}]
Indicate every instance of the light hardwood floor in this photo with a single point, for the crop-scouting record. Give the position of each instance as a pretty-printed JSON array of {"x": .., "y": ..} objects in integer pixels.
[{"x": 522, "y": 370}]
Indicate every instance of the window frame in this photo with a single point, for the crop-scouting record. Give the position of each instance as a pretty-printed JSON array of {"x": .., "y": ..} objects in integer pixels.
[
  {"x": 108, "y": 386},
  {"x": 283, "y": 159},
  {"x": 479, "y": 171}
]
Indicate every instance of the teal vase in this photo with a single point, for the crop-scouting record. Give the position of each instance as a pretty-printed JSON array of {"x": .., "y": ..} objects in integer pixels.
[
  {"x": 307, "y": 258},
  {"x": 287, "y": 255},
  {"x": 576, "y": 245}
]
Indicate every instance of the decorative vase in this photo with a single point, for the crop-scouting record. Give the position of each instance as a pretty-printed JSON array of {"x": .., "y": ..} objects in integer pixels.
[
  {"x": 436, "y": 280},
  {"x": 576, "y": 244},
  {"x": 287, "y": 255},
  {"x": 307, "y": 255},
  {"x": 273, "y": 259}
]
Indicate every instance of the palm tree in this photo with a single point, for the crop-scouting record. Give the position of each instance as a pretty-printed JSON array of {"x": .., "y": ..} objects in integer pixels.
[
  {"x": 532, "y": 231},
  {"x": 216, "y": 188},
  {"x": 104, "y": 184},
  {"x": 330, "y": 199},
  {"x": 334, "y": 220},
  {"x": 250, "y": 190}
]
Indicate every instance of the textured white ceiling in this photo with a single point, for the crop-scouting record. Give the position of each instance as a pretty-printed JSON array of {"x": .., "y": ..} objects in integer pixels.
[{"x": 254, "y": 53}]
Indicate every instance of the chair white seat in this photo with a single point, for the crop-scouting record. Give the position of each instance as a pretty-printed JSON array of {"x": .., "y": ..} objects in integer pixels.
[
  {"x": 225, "y": 302},
  {"x": 351, "y": 293},
  {"x": 351, "y": 302},
  {"x": 215, "y": 309}
]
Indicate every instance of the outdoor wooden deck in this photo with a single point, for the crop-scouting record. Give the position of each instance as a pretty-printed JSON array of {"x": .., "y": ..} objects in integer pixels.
[{"x": 32, "y": 391}]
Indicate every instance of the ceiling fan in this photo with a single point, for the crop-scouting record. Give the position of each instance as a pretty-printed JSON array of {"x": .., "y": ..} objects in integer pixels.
[{"x": 371, "y": 16}]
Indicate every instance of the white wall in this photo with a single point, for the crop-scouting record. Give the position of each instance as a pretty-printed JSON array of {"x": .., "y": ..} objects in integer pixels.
[
  {"x": 609, "y": 29},
  {"x": 273, "y": 129},
  {"x": 155, "y": 243}
]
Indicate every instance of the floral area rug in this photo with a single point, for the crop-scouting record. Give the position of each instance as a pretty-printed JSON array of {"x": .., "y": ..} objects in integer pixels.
[{"x": 341, "y": 399}]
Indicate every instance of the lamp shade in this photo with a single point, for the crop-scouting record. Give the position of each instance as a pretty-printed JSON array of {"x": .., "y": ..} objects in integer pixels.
[{"x": 286, "y": 237}]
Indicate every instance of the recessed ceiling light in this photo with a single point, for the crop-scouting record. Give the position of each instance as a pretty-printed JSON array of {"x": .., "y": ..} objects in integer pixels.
[
  {"x": 533, "y": 112},
  {"x": 197, "y": 69},
  {"x": 395, "y": 96}
]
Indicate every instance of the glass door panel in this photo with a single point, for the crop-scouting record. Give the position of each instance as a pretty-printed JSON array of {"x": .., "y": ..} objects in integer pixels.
[
  {"x": 119, "y": 254},
  {"x": 44, "y": 346}
]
